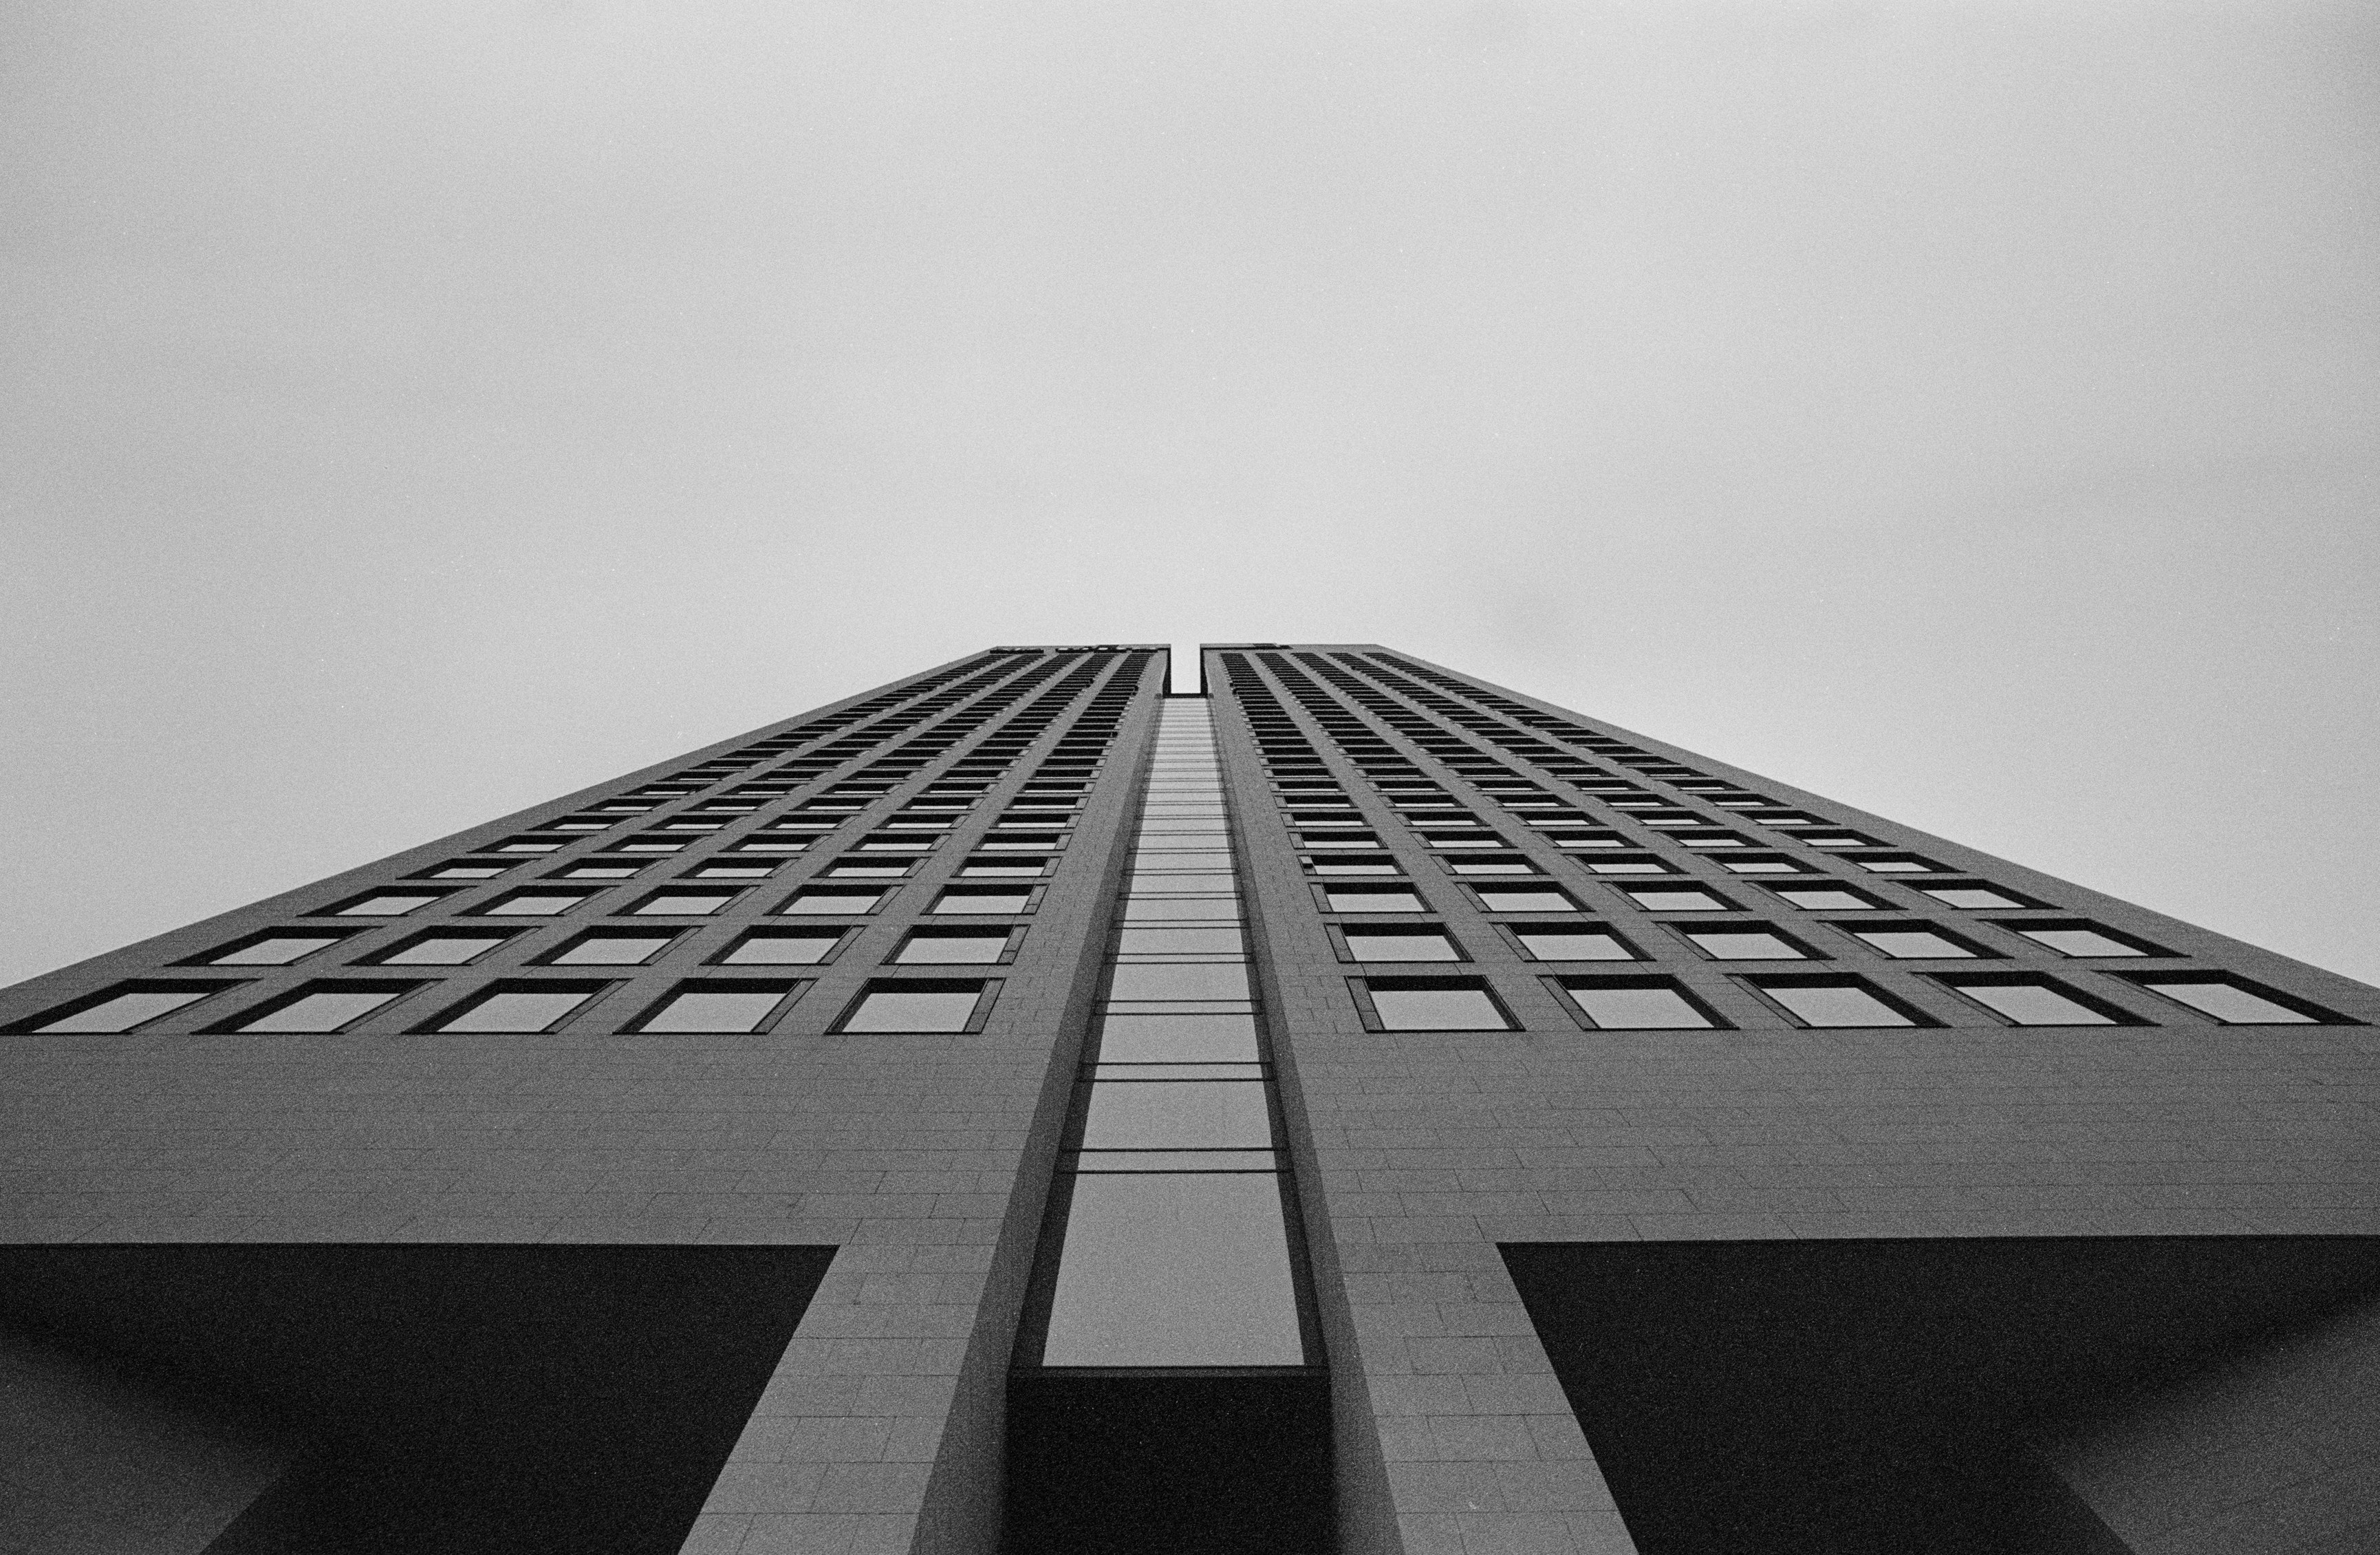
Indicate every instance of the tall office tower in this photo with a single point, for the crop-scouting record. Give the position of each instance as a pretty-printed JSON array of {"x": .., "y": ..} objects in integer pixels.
[{"x": 1354, "y": 1108}]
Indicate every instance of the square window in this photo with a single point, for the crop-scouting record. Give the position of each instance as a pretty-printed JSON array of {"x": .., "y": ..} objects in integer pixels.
[
  {"x": 1366, "y": 944},
  {"x": 2022, "y": 1001},
  {"x": 1437, "y": 1007},
  {"x": 918, "y": 1007},
  {"x": 1908, "y": 942},
  {"x": 530, "y": 903},
  {"x": 1362, "y": 899},
  {"x": 682, "y": 903},
  {"x": 1826, "y": 898},
  {"x": 1676, "y": 899},
  {"x": 1897, "y": 864},
  {"x": 278, "y": 948},
  {"x": 2082, "y": 938},
  {"x": 441, "y": 947},
  {"x": 928, "y": 947},
  {"x": 386, "y": 903},
  {"x": 126, "y": 1007},
  {"x": 733, "y": 870},
  {"x": 1745, "y": 943},
  {"x": 1974, "y": 893},
  {"x": 1560, "y": 944},
  {"x": 718, "y": 1006},
  {"x": 1003, "y": 868},
  {"x": 1647, "y": 1004},
  {"x": 611, "y": 948},
  {"x": 324, "y": 1007},
  {"x": 961, "y": 901},
  {"x": 517, "y": 1007},
  {"x": 1515, "y": 899},
  {"x": 809, "y": 904},
  {"x": 1835, "y": 1001},
  {"x": 782, "y": 947},
  {"x": 2234, "y": 1001}
]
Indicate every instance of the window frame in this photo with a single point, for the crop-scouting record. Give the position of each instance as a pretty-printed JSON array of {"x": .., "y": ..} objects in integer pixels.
[
  {"x": 1360, "y": 988},
  {"x": 789, "y": 992},
  {"x": 886, "y": 980},
  {"x": 1759, "y": 984},
  {"x": 1563, "y": 985},
  {"x": 1957, "y": 983},
  {"x": 597, "y": 989},
  {"x": 671, "y": 939},
  {"x": 337, "y": 937},
  {"x": 1419, "y": 929},
  {"x": 2317, "y": 1014},
  {"x": 1012, "y": 940},
  {"x": 1512, "y": 933}
]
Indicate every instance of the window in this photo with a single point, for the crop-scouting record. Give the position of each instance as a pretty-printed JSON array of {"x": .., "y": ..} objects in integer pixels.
[
  {"x": 1826, "y": 898},
  {"x": 733, "y": 870},
  {"x": 324, "y": 1007},
  {"x": 1639, "y": 1004},
  {"x": 1895, "y": 863},
  {"x": 2234, "y": 1001},
  {"x": 1746, "y": 943},
  {"x": 1908, "y": 942},
  {"x": 386, "y": 903},
  {"x": 1342, "y": 867},
  {"x": 1512, "y": 899},
  {"x": 1973, "y": 893},
  {"x": 125, "y": 1007},
  {"x": 1836, "y": 1001},
  {"x": 602, "y": 869},
  {"x": 1634, "y": 863},
  {"x": 682, "y": 904},
  {"x": 964, "y": 900},
  {"x": 1488, "y": 866},
  {"x": 1368, "y": 944},
  {"x": 805, "y": 903},
  {"x": 277, "y": 949},
  {"x": 914, "y": 1007},
  {"x": 1364, "y": 899},
  {"x": 1167, "y": 982},
  {"x": 784, "y": 947},
  {"x": 1763, "y": 864},
  {"x": 1003, "y": 868},
  {"x": 721, "y": 1006},
  {"x": 606, "y": 947},
  {"x": 1212, "y": 941},
  {"x": 1436, "y": 1007},
  {"x": 529, "y": 902},
  {"x": 466, "y": 871},
  {"x": 878, "y": 870},
  {"x": 2023, "y": 1001},
  {"x": 444, "y": 947},
  {"x": 2082, "y": 938},
  {"x": 941, "y": 947},
  {"x": 1564, "y": 943},
  {"x": 1676, "y": 899},
  {"x": 517, "y": 1007}
]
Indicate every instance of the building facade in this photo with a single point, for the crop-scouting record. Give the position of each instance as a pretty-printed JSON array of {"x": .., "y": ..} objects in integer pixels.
[{"x": 1352, "y": 1107}]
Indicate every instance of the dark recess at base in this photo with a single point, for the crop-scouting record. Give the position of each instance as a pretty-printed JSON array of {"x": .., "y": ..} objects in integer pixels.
[
  {"x": 1873, "y": 1398},
  {"x": 1158, "y": 1464},
  {"x": 447, "y": 1400}
]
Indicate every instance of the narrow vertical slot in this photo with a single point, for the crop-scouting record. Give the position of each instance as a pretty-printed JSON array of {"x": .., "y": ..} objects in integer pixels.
[{"x": 1168, "y": 1391}]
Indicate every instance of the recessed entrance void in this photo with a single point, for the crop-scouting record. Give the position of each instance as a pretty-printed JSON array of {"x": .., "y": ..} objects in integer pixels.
[
  {"x": 1878, "y": 1398},
  {"x": 334, "y": 1400}
]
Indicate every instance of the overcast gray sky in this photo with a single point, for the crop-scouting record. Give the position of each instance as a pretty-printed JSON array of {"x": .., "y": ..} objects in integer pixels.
[{"x": 411, "y": 411}]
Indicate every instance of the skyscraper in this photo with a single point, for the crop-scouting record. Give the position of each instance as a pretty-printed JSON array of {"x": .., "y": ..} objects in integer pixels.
[{"x": 1354, "y": 1107}]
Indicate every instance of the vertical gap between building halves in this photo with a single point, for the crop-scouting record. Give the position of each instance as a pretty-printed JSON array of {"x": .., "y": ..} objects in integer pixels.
[{"x": 1168, "y": 1392}]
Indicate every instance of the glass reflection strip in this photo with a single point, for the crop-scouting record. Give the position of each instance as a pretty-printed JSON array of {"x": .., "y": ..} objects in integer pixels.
[{"x": 1175, "y": 1249}]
